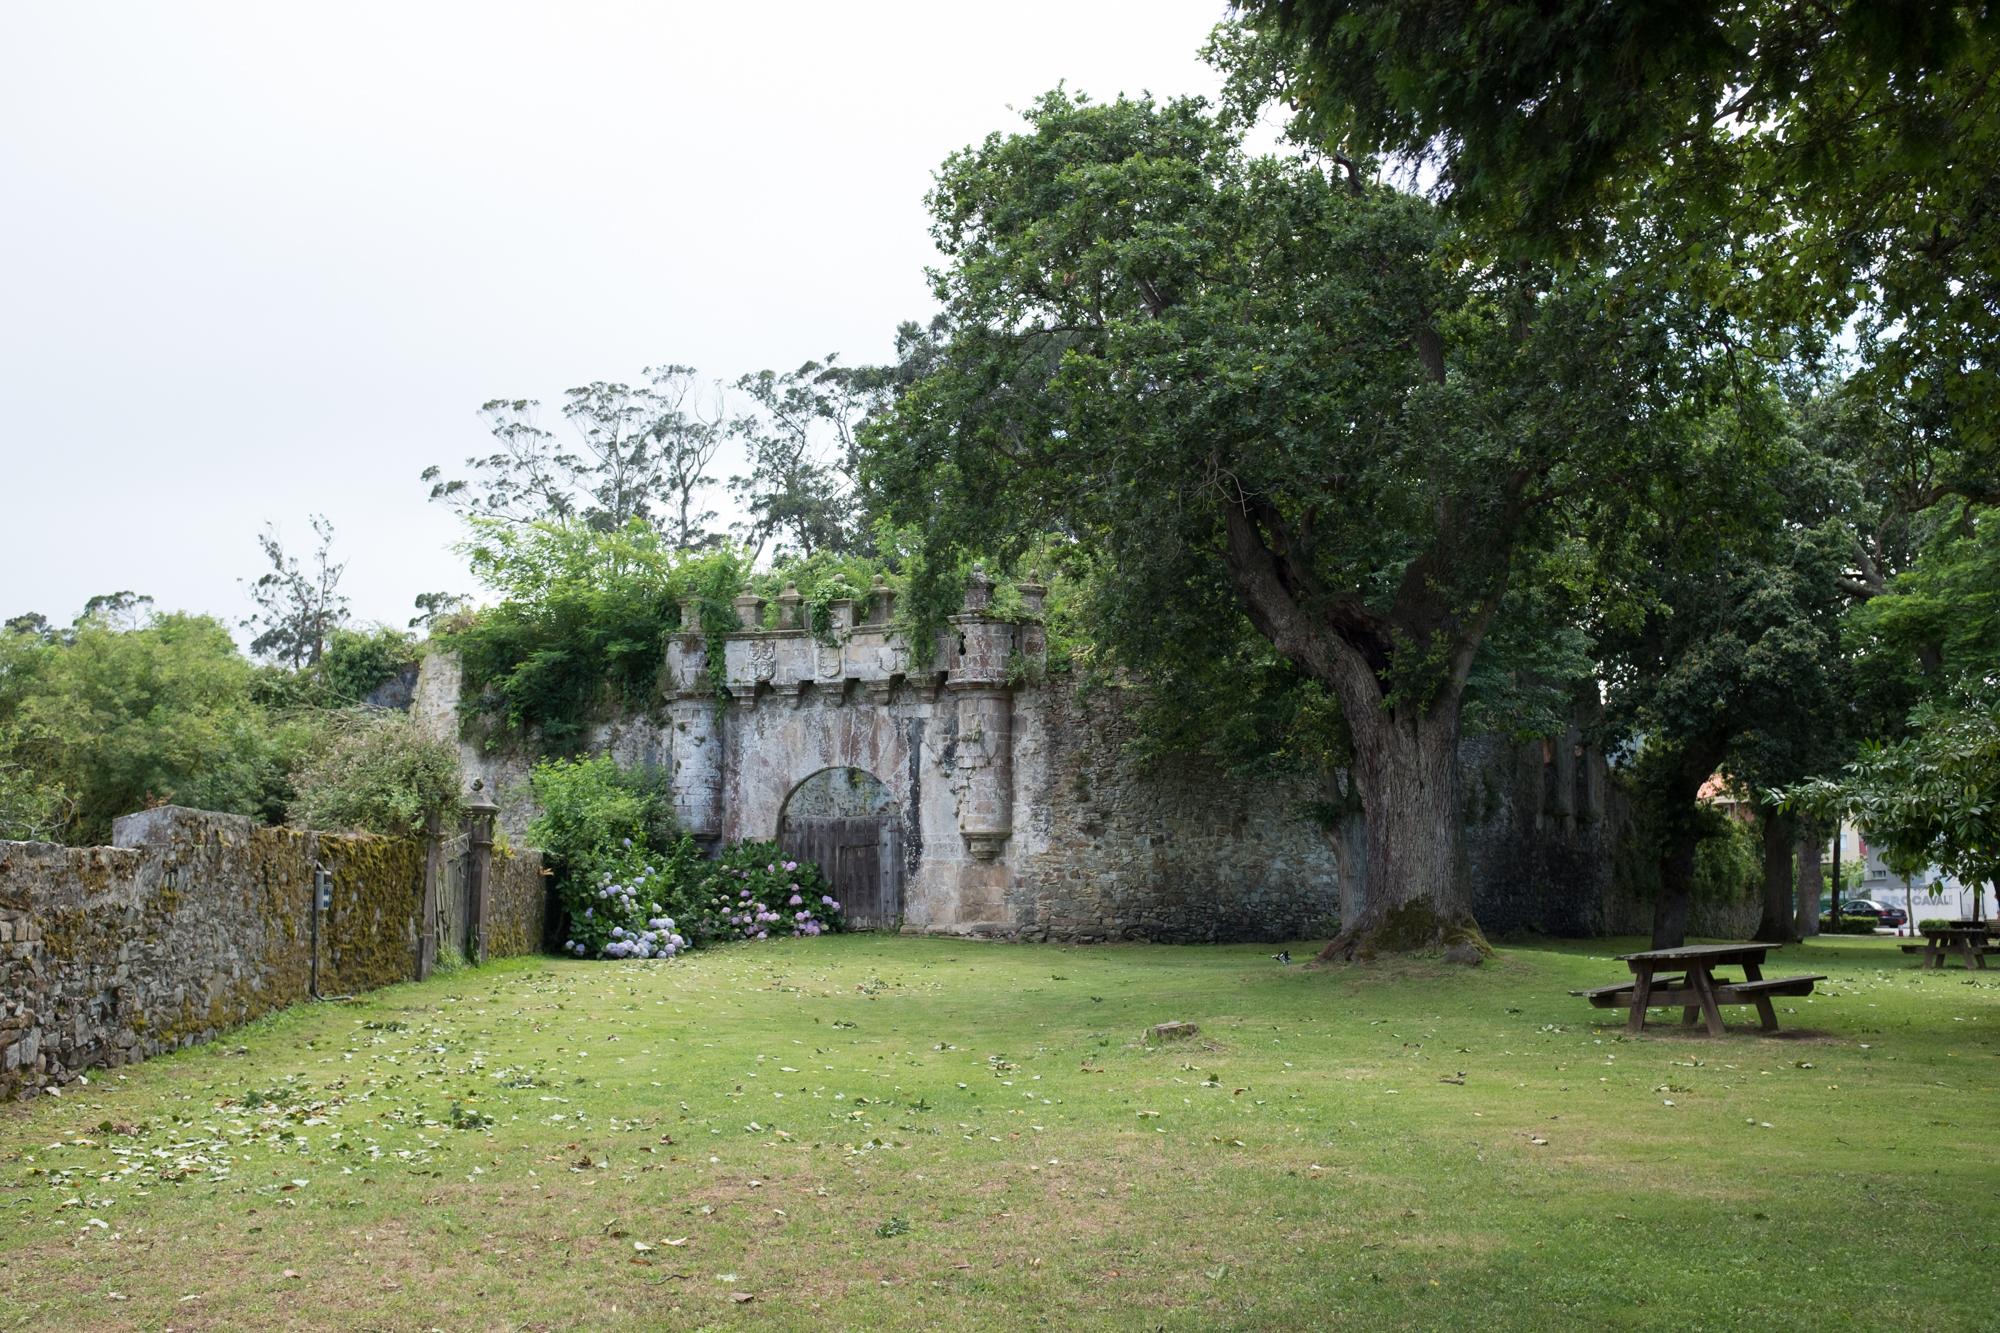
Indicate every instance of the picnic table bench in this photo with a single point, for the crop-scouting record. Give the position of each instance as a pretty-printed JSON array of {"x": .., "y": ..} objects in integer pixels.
[
  {"x": 1970, "y": 940},
  {"x": 1694, "y": 988}
]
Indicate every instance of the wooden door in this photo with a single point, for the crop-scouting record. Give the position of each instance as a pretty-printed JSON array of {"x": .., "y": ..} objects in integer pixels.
[{"x": 860, "y": 858}]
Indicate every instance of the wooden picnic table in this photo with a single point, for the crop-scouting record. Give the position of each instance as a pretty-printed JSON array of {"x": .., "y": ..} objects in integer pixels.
[
  {"x": 1970, "y": 940},
  {"x": 1697, "y": 990}
]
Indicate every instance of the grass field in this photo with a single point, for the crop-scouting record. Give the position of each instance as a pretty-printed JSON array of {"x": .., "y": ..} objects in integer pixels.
[{"x": 902, "y": 1133}]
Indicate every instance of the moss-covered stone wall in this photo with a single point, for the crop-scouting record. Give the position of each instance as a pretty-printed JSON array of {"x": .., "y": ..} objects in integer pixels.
[
  {"x": 197, "y": 922},
  {"x": 518, "y": 902}
]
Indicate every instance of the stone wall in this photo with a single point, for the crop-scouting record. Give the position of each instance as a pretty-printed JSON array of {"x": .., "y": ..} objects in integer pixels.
[
  {"x": 1017, "y": 808},
  {"x": 197, "y": 922},
  {"x": 518, "y": 904},
  {"x": 1549, "y": 839},
  {"x": 1107, "y": 848}
]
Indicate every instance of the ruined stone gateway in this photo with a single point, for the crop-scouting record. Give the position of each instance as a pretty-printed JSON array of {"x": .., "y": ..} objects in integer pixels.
[
  {"x": 974, "y": 795},
  {"x": 981, "y": 794}
]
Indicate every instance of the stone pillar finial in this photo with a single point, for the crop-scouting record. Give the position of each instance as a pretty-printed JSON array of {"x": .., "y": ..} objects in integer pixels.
[
  {"x": 690, "y": 615},
  {"x": 978, "y": 589},
  {"x": 749, "y": 610},
  {"x": 1033, "y": 592},
  {"x": 881, "y": 601},
  {"x": 788, "y": 607}
]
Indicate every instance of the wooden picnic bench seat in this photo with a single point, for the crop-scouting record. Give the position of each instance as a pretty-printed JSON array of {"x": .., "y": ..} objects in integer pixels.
[
  {"x": 1668, "y": 992},
  {"x": 1677, "y": 992},
  {"x": 1620, "y": 995},
  {"x": 1727, "y": 992}
]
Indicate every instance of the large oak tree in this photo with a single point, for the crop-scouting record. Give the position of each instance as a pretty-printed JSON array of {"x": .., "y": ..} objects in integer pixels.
[{"x": 1267, "y": 389}]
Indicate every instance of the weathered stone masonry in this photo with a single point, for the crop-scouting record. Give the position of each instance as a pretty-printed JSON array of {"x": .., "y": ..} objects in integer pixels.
[
  {"x": 1021, "y": 812},
  {"x": 985, "y": 758},
  {"x": 197, "y": 922}
]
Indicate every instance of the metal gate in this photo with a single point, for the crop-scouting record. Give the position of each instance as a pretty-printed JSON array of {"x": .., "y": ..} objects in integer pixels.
[{"x": 862, "y": 861}]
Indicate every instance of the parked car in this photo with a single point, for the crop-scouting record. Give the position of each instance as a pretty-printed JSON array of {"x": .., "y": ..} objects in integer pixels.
[{"x": 1895, "y": 918}]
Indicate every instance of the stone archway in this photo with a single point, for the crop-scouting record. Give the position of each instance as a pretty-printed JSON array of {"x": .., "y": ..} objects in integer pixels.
[{"x": 847, "y": 821}]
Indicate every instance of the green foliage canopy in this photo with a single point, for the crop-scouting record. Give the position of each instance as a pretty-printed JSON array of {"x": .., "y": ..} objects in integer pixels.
[
  {"x": 110, "y": 720},
  {"x": 379, "y": 773},
  {"x": 1261, "y": 394},
  {"x": 1845, "y": 156}
]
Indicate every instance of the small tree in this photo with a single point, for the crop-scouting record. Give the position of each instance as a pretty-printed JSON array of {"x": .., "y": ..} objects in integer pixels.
[
  {"x": 380, "y": 774},
  {"x": 1931, "y": 800},
  {"x": 298, "y": 604}
]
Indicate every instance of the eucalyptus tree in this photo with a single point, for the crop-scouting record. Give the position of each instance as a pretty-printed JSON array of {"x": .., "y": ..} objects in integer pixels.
[
  {"x": 1270, "y": 392},
  {"x": 638, "y": 451},
  {"x": 798, "y": 444},
  {"x": 299, "y": 602}
]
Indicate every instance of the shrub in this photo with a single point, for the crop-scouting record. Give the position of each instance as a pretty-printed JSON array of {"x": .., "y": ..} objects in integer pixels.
[
  {"x": 753, "y": 890},
  {"x": 582, "y": 619},
  {"x": 1728, "y": 861},
  {"x": 108, "y": 719},
  {"x": 357, "y": 661},
  {"x": 1848, "y": 925},
  {"x": 631, "y": 908},
  {"x": 593, "y": 813},
  {"x": 380, "y": 773}
]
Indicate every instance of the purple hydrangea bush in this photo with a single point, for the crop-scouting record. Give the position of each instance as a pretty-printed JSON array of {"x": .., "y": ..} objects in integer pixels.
[
  {"x": 755, "y": 892},
  {"x": 642, "y": 905}
]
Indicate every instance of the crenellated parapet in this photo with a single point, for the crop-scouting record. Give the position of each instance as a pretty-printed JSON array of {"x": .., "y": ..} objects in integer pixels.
[{"x": 861, "y": 659}]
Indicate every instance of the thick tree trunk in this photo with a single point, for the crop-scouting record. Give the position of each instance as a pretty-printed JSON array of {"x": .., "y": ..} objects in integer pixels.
[
  {"x": 1405, "y": 753},
  {"x": 1350, "y": 856},
  {"x": 1672, "y": 797},
  {"x": 1417, "y": 896},
  {"x": 1779, "y": 831},
  {"x": 1676, "y": 900},
  {"x": 1805, "y": 916}
]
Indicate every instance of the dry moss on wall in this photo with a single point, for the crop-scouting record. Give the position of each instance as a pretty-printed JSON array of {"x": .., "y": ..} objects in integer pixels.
[
  {"x": 197, "y": 923},
  {"x": 368, "y": 936},
  {"x": 518, "y": 902}
]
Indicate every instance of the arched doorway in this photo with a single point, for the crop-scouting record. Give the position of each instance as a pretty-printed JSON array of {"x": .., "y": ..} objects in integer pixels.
[{"x": 845, "y": 820}]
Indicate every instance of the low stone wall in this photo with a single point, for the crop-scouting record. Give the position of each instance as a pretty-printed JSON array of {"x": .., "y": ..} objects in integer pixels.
[
  {"x": 198, "y": 922},
  {"x": 518, "y": 903}
]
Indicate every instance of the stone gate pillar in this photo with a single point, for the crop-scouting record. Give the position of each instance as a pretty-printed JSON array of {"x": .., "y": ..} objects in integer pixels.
[
  {"x": 984, "y": 776},
  {"x": 479, "y": 815},
  {"x": 696, "y": 740}
]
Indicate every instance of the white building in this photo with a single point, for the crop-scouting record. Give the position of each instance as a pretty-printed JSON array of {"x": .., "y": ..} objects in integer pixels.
[{"x": 1929, "y": 893}]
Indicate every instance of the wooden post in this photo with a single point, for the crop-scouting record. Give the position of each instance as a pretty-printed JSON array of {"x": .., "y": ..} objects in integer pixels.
[
  {"x": 427, "y": 911},
  {"x": 479, "y": 813}
]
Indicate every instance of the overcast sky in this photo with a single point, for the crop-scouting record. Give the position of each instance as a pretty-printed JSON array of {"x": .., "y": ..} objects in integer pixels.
[{"x": 259, "y": 261}]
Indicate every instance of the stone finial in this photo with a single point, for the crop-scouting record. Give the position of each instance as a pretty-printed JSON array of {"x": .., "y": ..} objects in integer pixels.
[
  {"x": 840, "y": 614},
  {"x": 749, "y": 610},
  {"x": 690, "y": 615},
  {"x": 978, "y": 589},
  {"x": 788, "y": 607},
  {"x": 1033, "y": 592},
  {"x": 881, "y": 602}
]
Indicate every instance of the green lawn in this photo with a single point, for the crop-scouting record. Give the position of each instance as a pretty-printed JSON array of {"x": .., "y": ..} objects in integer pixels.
[{"x": 903, "y": 1133}]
